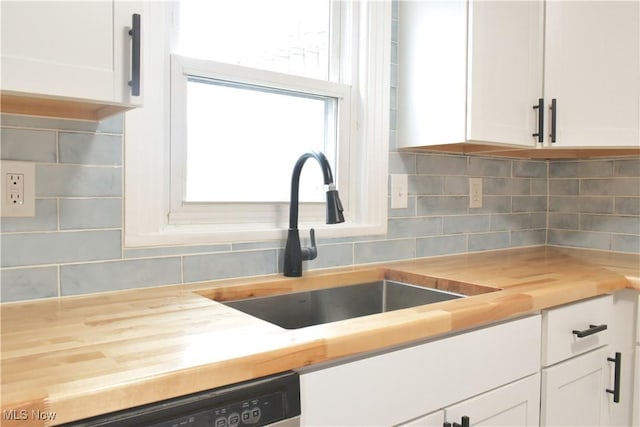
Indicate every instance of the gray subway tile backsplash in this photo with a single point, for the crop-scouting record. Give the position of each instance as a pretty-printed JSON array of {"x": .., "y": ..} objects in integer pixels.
[
  {"x": 425, "y": 185},
  {"x": 441, "y": 165},
  {"x": 78, "y": 181},
  {"x": 610, "y": 223},
  {"x": 90, "y": 213},
  {"x": 46, "y": 219},
  {"x": 529, "y": 169},
  {"x": 506, "y": 186},
  {"x": 466, "y": 224},
  {"x": 74, "y": 245},
  {"x": 627, "y": 206},
  {"x": 116, "y": 275},
  {"x": 413, "y": 227},
  {"x": 441, "y": 245},
  {"x": 611, "y": 186},
  {"x": 28, "y": 283},
  {"x": 579, "y": 239},
  {"x": 442, "y": 205},
  {"x": 626, "y": 168},
  {"x": 198, "y": 268},
  {"x": 479, "y": 166},
  {"x": 528, "y": 237},
  {"x": 625, "y": 243},
  {"x": 23, "y": 249},
  {"x": 384, "y": 250},
  {"x": 90, "y": 148},
  {"x": 28, "y": 145},
  {"x": 488, "y": 241}
]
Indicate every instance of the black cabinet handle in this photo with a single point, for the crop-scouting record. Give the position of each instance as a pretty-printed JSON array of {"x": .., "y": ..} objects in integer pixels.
[
  {"x": 446, "y": 424},
  {"x": 135, "y": 34},
  {"x": 554, "y": 113},
  {"x": 465, "y": 422},
  {"x": 540, "y": 108},
  {"x": 593, "y": 329},
  {"x": 617, "y": 360}
]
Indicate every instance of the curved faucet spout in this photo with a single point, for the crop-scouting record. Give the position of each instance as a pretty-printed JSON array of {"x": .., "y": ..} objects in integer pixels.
[
  {"x": 295, "y": 182},
  {"x": 294, "y": 254}
]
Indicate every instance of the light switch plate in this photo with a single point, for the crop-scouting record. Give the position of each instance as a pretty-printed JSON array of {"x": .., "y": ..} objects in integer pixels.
[
  {"x": 17, "y": 189},
  {"x": 399, "y": 191}
]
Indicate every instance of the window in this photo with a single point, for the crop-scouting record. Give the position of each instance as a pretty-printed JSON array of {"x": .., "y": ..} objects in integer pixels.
[
  {"x": 265, "y": 129},
  {"x": 227, "y": 115}
]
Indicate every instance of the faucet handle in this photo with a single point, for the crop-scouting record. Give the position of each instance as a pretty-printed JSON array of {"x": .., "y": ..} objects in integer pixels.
[{"x": 312, "y": 252}]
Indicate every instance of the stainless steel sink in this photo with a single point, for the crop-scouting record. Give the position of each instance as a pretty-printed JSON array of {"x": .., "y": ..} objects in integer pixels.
[{"x": 301, "y": 309}]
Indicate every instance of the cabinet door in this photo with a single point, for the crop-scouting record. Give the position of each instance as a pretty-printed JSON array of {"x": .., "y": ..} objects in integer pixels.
[
  {"x": 432, "y": 80},
  {"x": 592, "y": 69},
  {"x": 400, "y": 385},
  {"x": 574, "y": 391},
  {"x": 67, "y": 49},
  {"x": 432, "y": 420},
  {"x": 516, "y": 404},
  {"x": 505, "y": 70}
]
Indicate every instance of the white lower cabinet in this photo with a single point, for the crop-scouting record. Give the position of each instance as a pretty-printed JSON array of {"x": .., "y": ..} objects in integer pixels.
[
  {"x": 393, "y": 387},
  {"x": 516, "y": 404},
  {"x": 435, "y": 419},
  {"x": 574, "y": 391},
  {"x": 588, "y": 354}
]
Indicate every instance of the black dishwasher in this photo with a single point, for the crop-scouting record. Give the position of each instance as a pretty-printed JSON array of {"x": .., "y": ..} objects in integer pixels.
[{"x": 267, "y": 401}]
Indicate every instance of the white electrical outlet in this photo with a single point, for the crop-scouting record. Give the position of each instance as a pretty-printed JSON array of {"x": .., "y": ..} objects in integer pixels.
[
  {"x": 475, "y": 192},
  {"x": 18, "y": 189},
  {"x": 399, "y": 191}
]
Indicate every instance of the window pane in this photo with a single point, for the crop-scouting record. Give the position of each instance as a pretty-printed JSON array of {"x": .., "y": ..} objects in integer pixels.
[
  {"x": 243, "y": 141},
  {"x": 290, "y": 36}
]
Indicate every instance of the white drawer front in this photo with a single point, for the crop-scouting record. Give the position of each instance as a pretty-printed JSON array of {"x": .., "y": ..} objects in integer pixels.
[
  {"x": 560, "y": 328},
  {"x": 400, "y": 385}
]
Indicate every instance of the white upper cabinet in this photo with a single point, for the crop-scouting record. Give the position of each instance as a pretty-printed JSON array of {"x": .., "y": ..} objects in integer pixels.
[
  {"x": 592, "y": 69},
  {"x": 468, "y": 72},
  {"x": 79, "y": 50},
  {"x": 472, "y": 71},
  {"x": 432, "y": 40},
  {"x": 505, "y": 71}
]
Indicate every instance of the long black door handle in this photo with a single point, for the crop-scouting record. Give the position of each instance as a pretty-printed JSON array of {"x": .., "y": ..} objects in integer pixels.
[
  {"x": 554, "y": 119},
  {"x": 593, "y": 329},
  {"x": 465, "y": 422},
  {"x": 617, "y": 360},
  {"x": 135, "y": 33},
  {"x": 540, "y": 108}
]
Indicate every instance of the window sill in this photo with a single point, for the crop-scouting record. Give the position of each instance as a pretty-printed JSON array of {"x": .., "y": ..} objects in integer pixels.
[{"x": 197, "y": 234}]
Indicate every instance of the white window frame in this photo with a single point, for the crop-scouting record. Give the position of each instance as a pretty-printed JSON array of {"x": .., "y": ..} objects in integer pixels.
[
  {"x": 229, "y": 215},
  {"x": 148, "y": 144}
]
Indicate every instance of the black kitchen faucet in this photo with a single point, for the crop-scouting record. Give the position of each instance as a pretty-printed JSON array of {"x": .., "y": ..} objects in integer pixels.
[{"x": 294, "y": 254}]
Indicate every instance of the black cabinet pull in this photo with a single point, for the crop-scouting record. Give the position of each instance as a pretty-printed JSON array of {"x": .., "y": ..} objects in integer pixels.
[
  {"x": 554, "y": 113},
  {"x": 135, "y": 34},
  {"x": 446, "y": 424},
  {"x": 593, "y": 329},
  {"x": 465, "y": 422},
  {"x": 540, "y": 108},
  {"x": 617, "y": 360}
]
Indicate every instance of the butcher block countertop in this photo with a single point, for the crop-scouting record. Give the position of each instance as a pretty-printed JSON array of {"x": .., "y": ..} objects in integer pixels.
[{"x": 76, "y": 357}]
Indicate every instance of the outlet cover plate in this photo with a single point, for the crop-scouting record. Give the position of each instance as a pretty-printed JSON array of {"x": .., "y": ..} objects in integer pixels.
[
  {"x": 9, "y": 207},
  {"x": 475, "y": 193}
]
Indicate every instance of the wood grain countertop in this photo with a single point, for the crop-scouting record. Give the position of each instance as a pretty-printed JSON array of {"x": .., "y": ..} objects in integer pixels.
[{"x": 77, "y": 357}]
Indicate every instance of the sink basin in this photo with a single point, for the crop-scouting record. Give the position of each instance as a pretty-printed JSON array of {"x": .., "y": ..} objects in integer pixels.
[{"x": 301, "y": 309}]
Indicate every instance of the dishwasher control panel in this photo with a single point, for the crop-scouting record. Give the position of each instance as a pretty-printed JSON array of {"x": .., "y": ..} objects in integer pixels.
[
  {"x": 254, "y": 403},
  {"x": 259, "y": 411}
]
